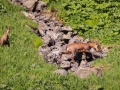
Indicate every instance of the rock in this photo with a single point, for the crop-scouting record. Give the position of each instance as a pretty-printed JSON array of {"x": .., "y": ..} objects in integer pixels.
[
  {"x": 65, "y": 64},
  {"x": 74, "y": 66},
  {"x": 66, "y": 37},
  {"x": 46, "y": 39},
  {"x": 57, "y": 29},
  {"x": 67, "y": 28},
  {"x": 61, "y": 72},
  {"x": 74, "y": 33},
  {"x": 44, "y": 50},
  {"x": 41, "y": 5},
  {"x": 66, "y": 57},
  {"x": 76, "y": 39},
  {"x": 42, "y": 27},
  {"x": 57, "y": 36},
  {"x": 83, "y": 63},
  {"x": 86, "y": 40},
  {"x": 30, "y": 4},
  {"x": 50, "y": 33},
  {"x": 87, "y": 71}
]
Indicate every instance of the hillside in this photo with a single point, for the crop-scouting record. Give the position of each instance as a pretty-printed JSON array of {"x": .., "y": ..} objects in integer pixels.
[{"x": 21, "y": 68}]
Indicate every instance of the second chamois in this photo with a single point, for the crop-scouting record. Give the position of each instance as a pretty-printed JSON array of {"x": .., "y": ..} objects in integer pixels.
[{"x": 4, "y": 41}]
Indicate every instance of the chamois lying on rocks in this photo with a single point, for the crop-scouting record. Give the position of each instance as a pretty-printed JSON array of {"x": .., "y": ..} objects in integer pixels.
[
  {"x": 5, "y": 38},
  {"x": 79, "y": 47}
]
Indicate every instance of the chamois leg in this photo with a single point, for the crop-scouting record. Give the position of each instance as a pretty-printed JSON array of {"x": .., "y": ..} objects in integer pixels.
[
  {"x": 91, "y": 54},
  {"x": 85, "y": 56},
  {"x": 73, "y": 54}
]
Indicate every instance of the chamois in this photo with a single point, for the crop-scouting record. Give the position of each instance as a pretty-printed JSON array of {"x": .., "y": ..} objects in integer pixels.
[
  {"x": 5, "y": 38},
  {"x": 79, "y": 47}
]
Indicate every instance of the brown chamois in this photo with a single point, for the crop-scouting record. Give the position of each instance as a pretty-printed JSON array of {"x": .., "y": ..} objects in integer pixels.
[
  {"x": 5, "y": 38},
  {"x": 79, "y": 47}
]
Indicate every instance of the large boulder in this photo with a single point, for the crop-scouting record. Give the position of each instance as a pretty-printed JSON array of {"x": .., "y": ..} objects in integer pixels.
[
  {"x": 84, "y": 72},
  {"x": 30, "y": 4},
  {"x": 41, "y": 5}
]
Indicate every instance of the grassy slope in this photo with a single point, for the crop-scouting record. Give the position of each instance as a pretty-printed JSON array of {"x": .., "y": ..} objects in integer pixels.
[{"x": 22, "y": 69}]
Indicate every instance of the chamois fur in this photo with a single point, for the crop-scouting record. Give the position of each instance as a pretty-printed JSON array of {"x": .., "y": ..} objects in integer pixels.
[
  {"x": 5, "y": 38},
  {"x": 79, "y": 47}
]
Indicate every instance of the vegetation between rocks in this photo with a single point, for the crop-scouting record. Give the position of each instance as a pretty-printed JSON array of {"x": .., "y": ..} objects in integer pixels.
[
  {"x": 91, "y": 18},
  {"x": 22, "y": 69}
]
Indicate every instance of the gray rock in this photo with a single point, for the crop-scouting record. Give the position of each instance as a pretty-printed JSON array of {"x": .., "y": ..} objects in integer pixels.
[
  {"x": 76, "y": 39},
  {"x": 83, "y": 63},
  {"x": 61, "y": 72},
  {"x": 87, "y": 71},
  {"x": 66, "y": 37},
  {"x": 66, "y": 57},
  {"x": 41, "y": 5},
  {"x": 65, "y": 64},
  {"x": 44, "y": 50},
  {"x": 67, "y": 28},
  {"x": 42, "y": 27},
  {"x": 74, "y": 66},
  {"x": 87, "y": 40},
  {"x": 46, "y": 39},
  {"x": 30, "y": 4}
]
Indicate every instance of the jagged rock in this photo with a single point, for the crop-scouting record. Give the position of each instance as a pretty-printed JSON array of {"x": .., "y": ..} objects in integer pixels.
[
  {"x": 45, "y": 50},
  {"x": 67, "y": 28},
  {"x": 57, "y": 29},
  {"x": 74, "y": 33},
  {"x": 42, "y": 27},
  {"x": 76, "y": 39},
  {"x": 50, "y": 33},
  {"x": 57, "y": 36},
  {"x": 66, "y": 57},
  {"x": 87, "y": 71},
  {"x": 30, "y": 4},
  {"x": 46, "y": 39},
  {"x": 47, "y": 17},
  {"x": 83, "y": 63},
  {"x": 61, "y": 72},
  {"x": 57, "y": 23},
  {"x": 66, "y": 37},
  {"x": 40, "y": 6},
  {"x": 74, "y": 66},
  {"x": 87, "y": 40},
  {"x": 65, "y": 64}
]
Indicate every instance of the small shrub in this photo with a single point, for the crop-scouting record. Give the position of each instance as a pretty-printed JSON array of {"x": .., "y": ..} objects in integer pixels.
[{"x": 37, "y": 41}]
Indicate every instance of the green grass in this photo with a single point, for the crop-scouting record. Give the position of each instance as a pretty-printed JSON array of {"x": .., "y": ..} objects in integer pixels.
[
  {"x": 91, "y": 18},
  {"x": 22, "y": 69}
]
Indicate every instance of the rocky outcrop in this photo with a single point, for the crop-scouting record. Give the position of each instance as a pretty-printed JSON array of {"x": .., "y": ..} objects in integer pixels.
[{"x": 56, "y": 36}]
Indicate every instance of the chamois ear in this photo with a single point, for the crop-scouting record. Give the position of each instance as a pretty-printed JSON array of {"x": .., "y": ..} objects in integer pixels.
[{"x": 7, "y": 28}]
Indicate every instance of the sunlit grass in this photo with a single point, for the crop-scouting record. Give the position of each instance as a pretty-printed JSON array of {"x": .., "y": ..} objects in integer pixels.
[{"x": 22, "y": 69}]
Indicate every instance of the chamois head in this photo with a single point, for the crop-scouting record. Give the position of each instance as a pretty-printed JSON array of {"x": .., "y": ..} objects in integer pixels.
[
  {"x": 95, "y": 46},
  {"x": 7, "y": 29}
]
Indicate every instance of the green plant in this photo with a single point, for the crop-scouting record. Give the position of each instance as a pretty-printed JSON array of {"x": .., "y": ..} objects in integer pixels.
[
  {"x": 37, "y": 41},
  {"x": 91, "y": 18},
  {"x": 22, "y": 69}
]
